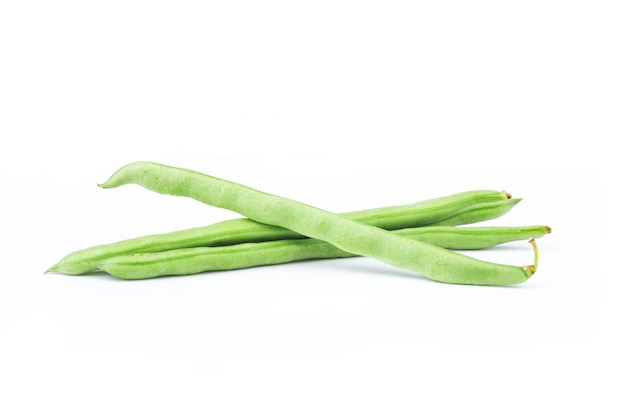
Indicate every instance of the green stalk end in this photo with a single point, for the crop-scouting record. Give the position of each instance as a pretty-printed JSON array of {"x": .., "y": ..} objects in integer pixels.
[{"x": 531, "y": 269}]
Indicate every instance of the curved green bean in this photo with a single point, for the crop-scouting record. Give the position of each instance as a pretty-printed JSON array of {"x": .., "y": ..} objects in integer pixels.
[
  {"x": 461, "y": 208},
  {"x": 431, "y": 261},
  {"x": 244, "y": 255}
]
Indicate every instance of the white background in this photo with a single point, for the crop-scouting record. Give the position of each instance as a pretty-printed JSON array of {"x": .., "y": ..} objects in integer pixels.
[{"x": 343, "y": 105}]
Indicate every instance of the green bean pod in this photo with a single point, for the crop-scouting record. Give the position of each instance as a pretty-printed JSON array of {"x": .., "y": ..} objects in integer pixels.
[
  {"x": 431, "y": 261},
  {"x": 461, "y": 208},
  {"x": 202, "y": 259}
]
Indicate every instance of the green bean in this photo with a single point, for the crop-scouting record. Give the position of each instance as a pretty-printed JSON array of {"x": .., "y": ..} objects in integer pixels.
[
  {"x": 461, "y": 208},
  {"x": 244, "y": 255},
  {"x": 431, "y": 261}
]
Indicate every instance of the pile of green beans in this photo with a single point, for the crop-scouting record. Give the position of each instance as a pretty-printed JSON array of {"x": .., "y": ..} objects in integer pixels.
[{"x": 420, "y": 237}]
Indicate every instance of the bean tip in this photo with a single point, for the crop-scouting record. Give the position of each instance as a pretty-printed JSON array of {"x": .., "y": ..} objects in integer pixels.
[
  {"x": 107, "y": 184},
  {"x": 53, "y": 268}
]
